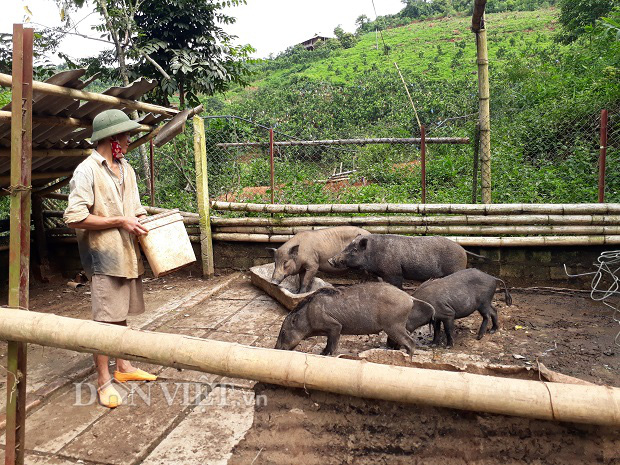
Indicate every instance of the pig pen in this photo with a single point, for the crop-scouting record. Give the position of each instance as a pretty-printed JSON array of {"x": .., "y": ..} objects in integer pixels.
[{"x": 564, "y": 330}]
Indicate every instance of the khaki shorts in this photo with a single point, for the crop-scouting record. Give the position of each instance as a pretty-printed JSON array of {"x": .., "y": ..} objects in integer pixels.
[{"x": 114, "y": 298}]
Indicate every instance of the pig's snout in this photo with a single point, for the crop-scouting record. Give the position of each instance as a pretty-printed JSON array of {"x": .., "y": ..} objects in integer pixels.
[
  {"x": 277, "y": 278},
  {"x": 335, "y": 262}
]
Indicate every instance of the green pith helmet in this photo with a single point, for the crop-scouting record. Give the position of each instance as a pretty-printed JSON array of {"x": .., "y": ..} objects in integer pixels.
[{"x": 110, "y": 123}]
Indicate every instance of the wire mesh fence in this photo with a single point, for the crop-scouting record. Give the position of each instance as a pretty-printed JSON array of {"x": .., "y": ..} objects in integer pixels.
[
  {"x": 534, "y": 163},
  {"x": 251, "y": 163}
]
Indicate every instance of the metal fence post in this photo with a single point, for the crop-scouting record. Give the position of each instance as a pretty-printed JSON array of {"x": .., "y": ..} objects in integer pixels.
[
  {"x": 602, "y": 157},
  {"x": 271, "y": 166},
  {"x": 19, "y": 252},
  {"x": 423, "y": 160},
  {"x": 202, "y": 194}
]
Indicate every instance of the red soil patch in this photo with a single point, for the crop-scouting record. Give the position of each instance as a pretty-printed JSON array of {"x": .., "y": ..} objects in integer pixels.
[
  {"x": 407, "y": 166},
  {"x": 262, "y": 192}
]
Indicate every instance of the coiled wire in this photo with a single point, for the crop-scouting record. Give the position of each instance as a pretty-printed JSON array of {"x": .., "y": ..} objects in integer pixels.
[{"x": 608, "y": 266}]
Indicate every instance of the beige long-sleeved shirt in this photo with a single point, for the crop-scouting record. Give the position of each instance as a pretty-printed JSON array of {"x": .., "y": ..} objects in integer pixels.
[{"x": 96, "y": 190}]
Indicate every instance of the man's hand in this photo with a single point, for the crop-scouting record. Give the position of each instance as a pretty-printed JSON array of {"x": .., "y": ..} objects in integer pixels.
[
  {"x": 98, "y": 223},
  {"x": 133, "y": 226}
]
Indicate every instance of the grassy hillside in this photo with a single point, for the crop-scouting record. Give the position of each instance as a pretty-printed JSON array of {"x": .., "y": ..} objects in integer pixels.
[{"x": 545, "y": 100}]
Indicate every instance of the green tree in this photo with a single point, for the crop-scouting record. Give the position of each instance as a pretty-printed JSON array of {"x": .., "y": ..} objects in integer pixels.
[
  {"x": 577, "y": 15},
  {"x": 346, "y": 39},
  {"x": 182, "y": 43}
]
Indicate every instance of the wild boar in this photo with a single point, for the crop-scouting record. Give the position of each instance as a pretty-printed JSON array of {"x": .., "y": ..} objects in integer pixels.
[
  {"x": 308, "y": 251},
  {"x": 366, "y": 308},
  {"x": 393, "y": 257},
  {"x": 455, "y": 296}
]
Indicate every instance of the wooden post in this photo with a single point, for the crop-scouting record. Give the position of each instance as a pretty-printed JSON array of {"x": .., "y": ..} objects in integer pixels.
[
  {"x": 484, "y": 111},
  {"x": 152, "y": 173},
  {"x": 40, "y": 238},
  {"x": 19, "y": 249},
  {"x": 202, "y": 190}
]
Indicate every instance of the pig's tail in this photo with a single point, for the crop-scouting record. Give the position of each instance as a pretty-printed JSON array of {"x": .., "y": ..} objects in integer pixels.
[{"x": 426, "y": 303}]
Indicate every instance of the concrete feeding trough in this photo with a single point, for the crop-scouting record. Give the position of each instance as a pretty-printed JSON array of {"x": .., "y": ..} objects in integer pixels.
[{"x": 285, "y": 292}]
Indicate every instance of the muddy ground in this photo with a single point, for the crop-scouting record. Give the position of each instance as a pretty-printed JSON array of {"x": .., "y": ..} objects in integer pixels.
[{"x": 568, "y": 332}]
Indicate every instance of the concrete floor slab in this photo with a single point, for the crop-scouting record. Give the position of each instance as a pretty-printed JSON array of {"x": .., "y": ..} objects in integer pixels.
[
  {"x": 210, "y": 432},
  {"x": 127, "y": 434},
  {"x": 208, "y": 316},
  {"x": 62, "y": 419},
  {"x": 45, "y": 364},
  {"x": 244, "y": 291},
  {"x": 250, "y": 321}
]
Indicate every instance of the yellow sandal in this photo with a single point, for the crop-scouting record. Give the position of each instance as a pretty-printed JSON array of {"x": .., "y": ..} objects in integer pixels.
[
  {"x": 109, "y": 397},
  {"x": 136, "y": 375}
]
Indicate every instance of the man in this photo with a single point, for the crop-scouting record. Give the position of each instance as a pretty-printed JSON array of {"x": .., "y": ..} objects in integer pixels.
[{"x": 104, "y": 208}]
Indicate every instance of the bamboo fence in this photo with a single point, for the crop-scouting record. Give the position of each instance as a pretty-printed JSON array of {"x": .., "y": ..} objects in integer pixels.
[
  {"x": 495, "y": 225},
  {"x": 472, "y": 209}
]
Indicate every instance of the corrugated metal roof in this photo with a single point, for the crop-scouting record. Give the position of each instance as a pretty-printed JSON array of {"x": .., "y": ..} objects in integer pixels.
[{"x": 47, "y": 137}]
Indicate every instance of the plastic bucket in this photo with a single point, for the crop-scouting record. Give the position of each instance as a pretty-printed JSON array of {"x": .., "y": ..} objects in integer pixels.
[{"x": 167, "y": 246}]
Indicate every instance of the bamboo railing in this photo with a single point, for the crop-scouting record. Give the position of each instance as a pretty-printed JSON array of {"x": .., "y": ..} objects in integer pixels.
[
  {"x": 533, "y": 399},
  {"x": 494, "y": 225}
]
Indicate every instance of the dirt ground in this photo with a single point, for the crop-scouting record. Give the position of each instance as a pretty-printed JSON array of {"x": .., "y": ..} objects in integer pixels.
[
  {"x": 568, "y": 332},
  {"x": 564, "y": 330}
]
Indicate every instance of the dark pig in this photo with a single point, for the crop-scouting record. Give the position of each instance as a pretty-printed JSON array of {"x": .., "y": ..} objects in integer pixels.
[
  {"x": 456, "y": 296},
  {"x": 367, "y": 308},
  {"x": 393, "y": 257},
  {"x": 308, "y": 251}
]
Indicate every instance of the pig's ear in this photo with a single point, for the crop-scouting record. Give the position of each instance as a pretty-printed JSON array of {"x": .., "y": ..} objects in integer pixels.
[
  {"x": 293, "y": 251},
  {"x": 271, "y": 249},
  {"x": 363, "y": 243}
]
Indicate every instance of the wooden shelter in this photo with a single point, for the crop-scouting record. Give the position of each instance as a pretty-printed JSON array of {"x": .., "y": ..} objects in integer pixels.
[{"x": 43, "y": 138}]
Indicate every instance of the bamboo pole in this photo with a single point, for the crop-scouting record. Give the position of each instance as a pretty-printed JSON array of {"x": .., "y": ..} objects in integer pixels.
[
  {"x": 51, "y": 89},
  {"x": 53, "y": 153},
  {"x": 569, "y": 220},
  {"x": 477, "y": 209},
  {"x": 202, "y": 195},
  {"x": 578, "y": 403},
  {"x": 535, "y": 241},
  {"x": 45, "y": 175},
  {"x": 144, "y": 139},
  {"x": 439, "y": 230},
  {"x": 56, "y": 196},
  {"x": 379, "y": 140},
  {"x": 155, "y": 210},
  {"x": 5, "y": 117},
  {"x": 54, "y": 187},
  {"x": 19, "y": 242},
  {"x": 484, "y": 110}
]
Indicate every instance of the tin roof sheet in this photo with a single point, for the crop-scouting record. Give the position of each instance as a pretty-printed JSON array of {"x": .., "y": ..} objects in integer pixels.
[{"x": 47, "y": 137}]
